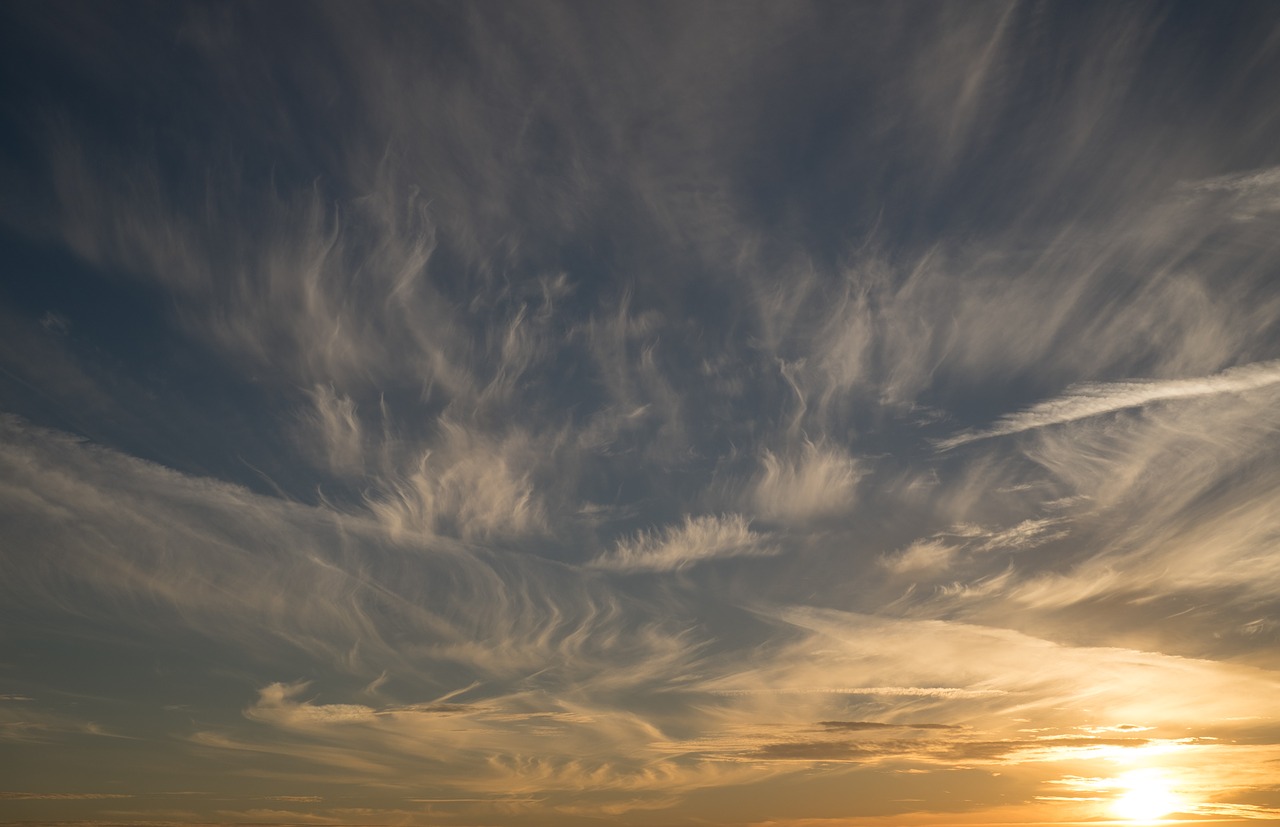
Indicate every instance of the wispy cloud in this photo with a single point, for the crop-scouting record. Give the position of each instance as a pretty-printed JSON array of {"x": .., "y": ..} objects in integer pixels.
[
  {"x": 1248, "y": 194},
  {"x": 807, "y": 484},
  {"x": 268, "y": 573},
  {"x": 443, "y": 414},
  {"x": 471, "y": 486},
  {"x": 922, "y": 556},
  {"x": 1083, "y": 401},
  {"x": 696, "y": 540},
  {"x": 334, "y": 429}
]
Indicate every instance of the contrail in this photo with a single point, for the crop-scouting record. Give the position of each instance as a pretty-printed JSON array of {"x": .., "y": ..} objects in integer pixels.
[{"x": 1082, "y": 401}]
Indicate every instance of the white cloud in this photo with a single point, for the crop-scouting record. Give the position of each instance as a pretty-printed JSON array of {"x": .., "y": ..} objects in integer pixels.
[
  {"x": 1191, "y": 488},
  {"x": 470, "y": 485},
  {"x": 1083, "y": 401},
  {"x": 813, "y": 482},
  {"x": 697, "y": 540},
  {"x": 923, "y": 557},
  {"x": 1025, "y": 535},
  {"x": 983, "y": 676}
]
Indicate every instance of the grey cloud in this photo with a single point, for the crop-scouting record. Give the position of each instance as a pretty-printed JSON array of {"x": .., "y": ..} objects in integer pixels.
[
  {"x": 856, "y": 726},
  {"x": 333, "y": 431},
  {"x": 21, "y": 796},
  {"x": 812, "y": 751},
  {"x": 331, "y": 584},
  {"x": 946, "y": 752},
  {"x": 32, "y": 723},
  {"x": 860, "y": 726},
  {"x": 1248, "y": 194},
  {"x": 289, "y": 299}
]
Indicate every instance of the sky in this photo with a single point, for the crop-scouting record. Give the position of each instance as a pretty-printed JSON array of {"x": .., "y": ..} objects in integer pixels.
[{"x": 665, "y": 414}]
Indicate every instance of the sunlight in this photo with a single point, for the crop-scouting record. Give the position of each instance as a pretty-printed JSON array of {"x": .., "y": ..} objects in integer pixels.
[{"x": 1147, "y": 796}]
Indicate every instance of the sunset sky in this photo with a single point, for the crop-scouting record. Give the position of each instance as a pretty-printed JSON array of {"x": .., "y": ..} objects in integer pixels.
[{"x": 661, "y": 414}]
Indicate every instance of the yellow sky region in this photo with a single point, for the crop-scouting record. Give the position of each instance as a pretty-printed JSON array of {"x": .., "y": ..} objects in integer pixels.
[
  {"x": 1078, "y": 734},
  {"x": 1200, "y": 780},
  {"x": 1164, "y": 783},
  {"x": 1132, "y": 806}
]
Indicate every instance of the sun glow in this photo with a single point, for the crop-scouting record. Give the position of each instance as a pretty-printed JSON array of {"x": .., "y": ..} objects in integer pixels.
[{"x": 1146, "y": 796}]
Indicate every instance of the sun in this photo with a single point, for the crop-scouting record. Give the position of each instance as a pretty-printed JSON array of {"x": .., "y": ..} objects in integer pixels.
[{"x": 1147, "y": 796}]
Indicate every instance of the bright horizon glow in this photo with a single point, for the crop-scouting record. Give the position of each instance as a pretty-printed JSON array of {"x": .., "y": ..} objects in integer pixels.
[{"x": 1147, "y": 796}]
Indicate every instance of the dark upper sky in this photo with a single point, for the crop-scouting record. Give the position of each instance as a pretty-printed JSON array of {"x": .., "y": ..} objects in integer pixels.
[{"x": 666, "y": 413}]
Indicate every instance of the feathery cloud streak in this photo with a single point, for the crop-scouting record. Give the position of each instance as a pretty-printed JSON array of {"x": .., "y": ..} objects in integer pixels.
[{"x": 1082, "y": 401}]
